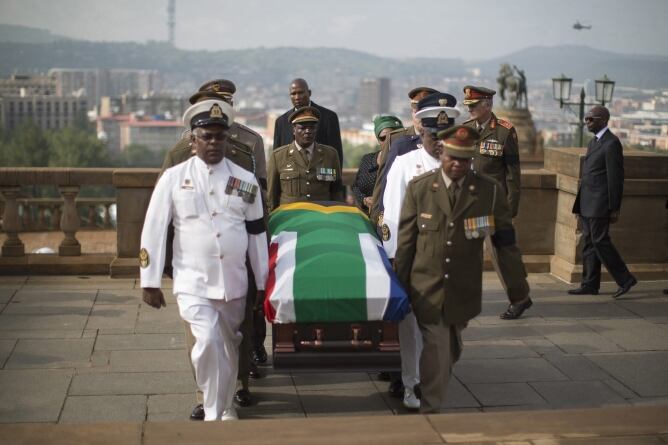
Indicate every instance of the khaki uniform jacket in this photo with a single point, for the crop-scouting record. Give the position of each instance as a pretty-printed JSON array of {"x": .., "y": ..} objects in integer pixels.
[
  {"x": 253, "y": 140},
  {"x": 290, "y": 179},
  {"x": 498, "y": 156},
  {"x": 235, "y": 151},
  {"x": 440, "y": 268},
  {"x": 382, "y": 173}
]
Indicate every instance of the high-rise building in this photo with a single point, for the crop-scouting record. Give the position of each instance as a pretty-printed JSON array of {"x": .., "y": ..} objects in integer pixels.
[
  {"x": 25, "y": 85},
  {"x": 157, "y": 135},
  {"x": 373, "y": 97},
  {"x": 96, "y": 83},
  {"x": 48, "y": 112}
]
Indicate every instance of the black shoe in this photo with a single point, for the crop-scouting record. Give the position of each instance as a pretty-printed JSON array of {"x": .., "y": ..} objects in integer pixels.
[
  {"x": 516, "y": 310},
  {"x": 198, "y": 413},
  {"x": 583, "y": 291},
  {"x": 243, "y": 398},
  {"x": 417, "y": 391},
  {"x": 384, "y": 376},
  {"x": 254, "y": 373},
  {"x": 625, "y": 287},
  {"x": 259, "y": 355},
  {"x": 396, "y": 389}
]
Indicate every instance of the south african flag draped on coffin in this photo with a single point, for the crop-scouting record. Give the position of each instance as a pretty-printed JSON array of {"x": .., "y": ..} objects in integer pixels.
[{"x": 326, "y": 264}]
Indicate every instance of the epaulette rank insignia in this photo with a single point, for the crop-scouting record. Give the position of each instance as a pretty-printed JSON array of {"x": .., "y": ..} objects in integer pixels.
[
  {"x": 479, "y": 227},
  {"x": 245, "y": 190},
  {"x": 505, "y": 123},
  {"x": 326, "y": 174}
]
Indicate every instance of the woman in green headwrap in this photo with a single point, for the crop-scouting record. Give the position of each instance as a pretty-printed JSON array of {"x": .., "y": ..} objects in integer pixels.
[{"x": 366, "y": 174}]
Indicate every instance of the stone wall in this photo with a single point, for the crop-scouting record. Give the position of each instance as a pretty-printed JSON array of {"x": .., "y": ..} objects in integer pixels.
[
  {"x": 547, "y": 232},
  {"x": 641, "y": 234}
]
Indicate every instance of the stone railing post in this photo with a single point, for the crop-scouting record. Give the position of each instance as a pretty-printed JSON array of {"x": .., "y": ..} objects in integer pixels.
[
  {"x": 91, "y": 215},
  {"x": 26, "y": 217},
  {"x": 106, "y": 220},
  {"x": 11, "y": 224},
  {"x": 69, "y": 222},
  {"x": 55, "y": 216},
  {"x": 133, "y": 193}
]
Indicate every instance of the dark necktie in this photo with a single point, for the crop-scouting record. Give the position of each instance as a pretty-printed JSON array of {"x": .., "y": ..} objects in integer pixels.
[{"x": 452, "y": 193}]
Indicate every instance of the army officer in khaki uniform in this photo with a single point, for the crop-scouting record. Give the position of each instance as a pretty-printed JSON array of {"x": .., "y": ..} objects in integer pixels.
[
  {"x": 497, "y": 155},
  {"x": 446, "y": 214},
  {"x": 304, "y": 170}
]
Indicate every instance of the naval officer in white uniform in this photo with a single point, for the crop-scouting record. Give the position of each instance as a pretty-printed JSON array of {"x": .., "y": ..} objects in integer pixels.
[
  {"x": 216, "y": 209},
  {"x": 436, "y": 112}
]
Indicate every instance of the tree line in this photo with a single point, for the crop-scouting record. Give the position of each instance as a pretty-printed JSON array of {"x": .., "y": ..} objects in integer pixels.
[{"x": 74, "y": 146}]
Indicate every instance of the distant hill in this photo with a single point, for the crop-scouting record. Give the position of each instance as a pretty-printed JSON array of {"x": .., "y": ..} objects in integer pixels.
[
  {"x": 272, "y": 66},
  {"x": 264, "y": 66},
  {"x": 582, "y": 62},
  {"x": 26, "y": 34}
]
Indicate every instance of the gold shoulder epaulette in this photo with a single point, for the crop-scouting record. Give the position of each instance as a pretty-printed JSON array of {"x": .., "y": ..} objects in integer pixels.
[{"x": 505, "y": 123}]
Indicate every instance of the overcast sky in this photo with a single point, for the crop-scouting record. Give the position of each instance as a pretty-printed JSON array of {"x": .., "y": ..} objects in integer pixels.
[{"x": 440, "y": 28}]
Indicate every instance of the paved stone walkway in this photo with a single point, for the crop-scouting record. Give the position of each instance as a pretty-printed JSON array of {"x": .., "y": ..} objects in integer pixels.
[{"x": 85, "y": 349}]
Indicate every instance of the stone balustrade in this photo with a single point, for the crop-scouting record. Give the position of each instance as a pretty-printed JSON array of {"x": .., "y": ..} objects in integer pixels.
[
  {"x": 68, "y": 181},
  {"x": 547, "y": 232},
  {"x": 43, "y": 214}
]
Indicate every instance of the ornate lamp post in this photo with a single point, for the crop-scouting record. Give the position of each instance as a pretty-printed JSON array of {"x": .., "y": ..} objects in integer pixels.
[{"x": 561, "y": 91}]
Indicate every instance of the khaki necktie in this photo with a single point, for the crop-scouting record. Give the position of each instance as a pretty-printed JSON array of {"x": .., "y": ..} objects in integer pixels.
[
  {"x": 306, "y": 154},
  {"x": 452, "y": 193}
]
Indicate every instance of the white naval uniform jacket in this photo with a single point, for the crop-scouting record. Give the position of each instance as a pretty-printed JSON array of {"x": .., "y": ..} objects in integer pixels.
[
  {"x": 213, "y": 231},
  {"x": 404, "y": 168}
]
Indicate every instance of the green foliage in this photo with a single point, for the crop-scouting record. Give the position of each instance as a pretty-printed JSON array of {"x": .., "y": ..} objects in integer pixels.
[
  {"x": 30, "y": 146},
  {"x": 27, "y": 146},
  {"x": 137, "y": 155},
  {"x": 352, "y": 154},
  {"x": 72, "y": 147}
]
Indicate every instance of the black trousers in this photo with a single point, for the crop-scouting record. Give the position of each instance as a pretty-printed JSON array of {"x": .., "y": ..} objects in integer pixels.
[{"x": 598, "y": 249}]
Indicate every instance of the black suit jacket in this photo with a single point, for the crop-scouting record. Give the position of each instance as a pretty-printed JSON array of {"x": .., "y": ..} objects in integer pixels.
[
  {"x": 329, "y": 132},
  {"x": 602, "y": 181}
]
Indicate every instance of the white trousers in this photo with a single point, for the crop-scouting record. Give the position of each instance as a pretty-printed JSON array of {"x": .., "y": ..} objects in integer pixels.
[
  {"x": 410, "y": 344},
  {"x": 215, "y": 325}
]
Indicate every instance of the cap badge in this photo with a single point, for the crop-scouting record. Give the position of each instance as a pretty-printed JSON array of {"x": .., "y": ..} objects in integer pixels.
[
  {"x": 443, "y": 102},
  {"x": 215, "y": 87},
  {"x": 467, "y": 92},
  {"x": 442, "y": 118},
  {"x": 462, "y": 134},
  {"x": 216, "y": 111}
]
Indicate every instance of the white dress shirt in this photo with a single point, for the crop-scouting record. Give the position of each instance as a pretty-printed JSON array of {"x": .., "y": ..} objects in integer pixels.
[
  {"x": 213, "y": 231},
  {"x": 404, "y": 168},
  {"x": 600, "y": 134}
]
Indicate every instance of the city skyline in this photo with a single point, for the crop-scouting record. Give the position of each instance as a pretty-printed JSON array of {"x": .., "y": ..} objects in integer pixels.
[{"x": 487, "y": 31}]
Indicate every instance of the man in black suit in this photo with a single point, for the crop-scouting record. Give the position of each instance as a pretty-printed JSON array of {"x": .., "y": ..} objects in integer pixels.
[
  {"x": 329, "y": 132},
  {"x": 597, "y": 203}
]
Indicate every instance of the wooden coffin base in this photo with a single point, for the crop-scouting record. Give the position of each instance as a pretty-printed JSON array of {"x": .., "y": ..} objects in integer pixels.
[{"x": 368, "y": 346}]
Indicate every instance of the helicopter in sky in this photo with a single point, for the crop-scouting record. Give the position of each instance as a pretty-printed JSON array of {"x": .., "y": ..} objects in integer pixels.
[{"x": 579, "y": 26}]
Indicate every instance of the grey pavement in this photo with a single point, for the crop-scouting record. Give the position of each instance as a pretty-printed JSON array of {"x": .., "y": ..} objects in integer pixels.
[{"x": 85, "y": 349}]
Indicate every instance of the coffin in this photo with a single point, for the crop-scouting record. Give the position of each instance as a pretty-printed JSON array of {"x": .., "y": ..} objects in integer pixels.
[{"x": 332, "y": 297}]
